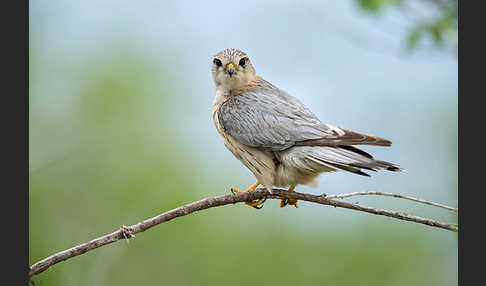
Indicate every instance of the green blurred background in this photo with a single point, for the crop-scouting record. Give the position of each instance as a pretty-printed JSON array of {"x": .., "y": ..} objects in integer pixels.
[{"x": 121, "y": 130}]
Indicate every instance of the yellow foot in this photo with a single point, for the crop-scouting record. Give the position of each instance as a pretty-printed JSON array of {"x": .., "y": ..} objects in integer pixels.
[
  {"x": 292, "y": 202},
  {"x": 256, "y": 204},
  {"x": 286, "y": 202}
]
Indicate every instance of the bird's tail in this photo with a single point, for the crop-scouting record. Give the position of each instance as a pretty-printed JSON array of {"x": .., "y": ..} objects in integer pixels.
[{"x": 349, "y": 158}]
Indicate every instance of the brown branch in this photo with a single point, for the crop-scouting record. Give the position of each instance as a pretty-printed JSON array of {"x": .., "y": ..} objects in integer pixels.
[
  {"x": 391, "y": 195},
  {"x": 126, "y": 232}
]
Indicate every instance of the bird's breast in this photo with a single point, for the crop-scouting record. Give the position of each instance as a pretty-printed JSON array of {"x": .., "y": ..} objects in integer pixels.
[{"x": 260, "y": 162}]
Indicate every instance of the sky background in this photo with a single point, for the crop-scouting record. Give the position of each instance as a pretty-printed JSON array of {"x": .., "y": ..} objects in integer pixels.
[{"x": 121, "y": 130}]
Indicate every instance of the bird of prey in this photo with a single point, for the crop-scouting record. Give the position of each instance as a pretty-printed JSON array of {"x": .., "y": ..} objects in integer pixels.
[{"x": 278, "y": 138}]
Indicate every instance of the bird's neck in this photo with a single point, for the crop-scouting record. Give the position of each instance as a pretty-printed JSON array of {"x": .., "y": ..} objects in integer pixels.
[{"x": 225, "y": 91}]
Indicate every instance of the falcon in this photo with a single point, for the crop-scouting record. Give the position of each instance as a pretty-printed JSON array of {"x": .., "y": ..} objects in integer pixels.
[{"x": 276, "y": 136}]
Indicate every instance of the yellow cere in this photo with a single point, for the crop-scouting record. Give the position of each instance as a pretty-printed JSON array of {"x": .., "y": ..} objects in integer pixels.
[{"x": 230, "y": 65}]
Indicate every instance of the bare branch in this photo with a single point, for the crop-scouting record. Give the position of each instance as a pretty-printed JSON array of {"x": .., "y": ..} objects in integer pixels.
[
  {"x": 126, "y": 232},
  {"x": 390, "y": 195}
]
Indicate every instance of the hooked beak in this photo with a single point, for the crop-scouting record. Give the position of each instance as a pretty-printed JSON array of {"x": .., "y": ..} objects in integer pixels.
[{"x": 230, "y": 69}]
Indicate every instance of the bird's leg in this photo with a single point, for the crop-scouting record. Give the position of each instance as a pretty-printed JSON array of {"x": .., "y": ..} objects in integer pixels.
[
  {"x": 250, "y": 188},
  {"x": 254, "y": 204},
  {"x": 293, "y": 202}
]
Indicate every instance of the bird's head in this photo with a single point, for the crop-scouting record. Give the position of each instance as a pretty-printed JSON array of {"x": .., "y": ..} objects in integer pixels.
[{"x": 232, "y": 69}]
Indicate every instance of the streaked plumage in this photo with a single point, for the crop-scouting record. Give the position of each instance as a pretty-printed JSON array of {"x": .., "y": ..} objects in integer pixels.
[{"x": 278, "y": 138}]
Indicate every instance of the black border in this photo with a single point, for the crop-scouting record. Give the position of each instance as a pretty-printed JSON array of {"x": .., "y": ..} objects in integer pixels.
[
  {"x": 471, "y": 79},
  {"x": 15, "y": 144}
]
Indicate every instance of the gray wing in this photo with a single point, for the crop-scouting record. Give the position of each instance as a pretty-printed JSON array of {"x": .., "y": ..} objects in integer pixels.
[
  {"x": 270, "y": 118},
  {"x": 267, "y": 117}
]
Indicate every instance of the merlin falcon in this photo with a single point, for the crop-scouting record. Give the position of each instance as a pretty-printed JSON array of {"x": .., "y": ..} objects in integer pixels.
[{"x": 278, "y": 138}]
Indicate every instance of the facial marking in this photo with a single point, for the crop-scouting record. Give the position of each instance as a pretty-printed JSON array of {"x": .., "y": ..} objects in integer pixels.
[{"x": 232, "y": 69}]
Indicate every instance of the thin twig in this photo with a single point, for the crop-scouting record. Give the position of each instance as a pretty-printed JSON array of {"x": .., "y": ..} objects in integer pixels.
[
  {"x": 390, "y": 195},
  {"x": 127, "y": 232}
]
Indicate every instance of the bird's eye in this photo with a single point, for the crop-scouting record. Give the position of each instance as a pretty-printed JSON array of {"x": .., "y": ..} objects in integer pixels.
[
  {"x": 217, "y": 62},
  {"x": 243, "y": 62}
]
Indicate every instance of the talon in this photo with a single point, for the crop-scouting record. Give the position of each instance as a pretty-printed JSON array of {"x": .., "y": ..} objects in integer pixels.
[
  {"x": 293, "y": 203},
  {"x": 259, "y": 207},
  {"x": 260, "y": 203},
  {"x": 255, "y": 204}
]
